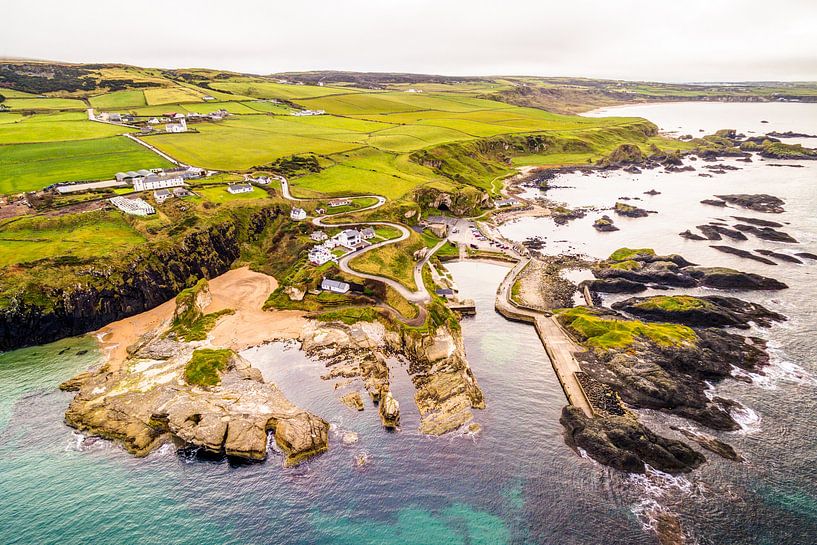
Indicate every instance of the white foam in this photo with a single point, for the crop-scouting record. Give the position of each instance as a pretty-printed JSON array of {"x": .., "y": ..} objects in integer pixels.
[{"x": 747, "y": 419}]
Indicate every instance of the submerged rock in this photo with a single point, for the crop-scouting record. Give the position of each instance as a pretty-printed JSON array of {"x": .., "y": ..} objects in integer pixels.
[
  {"x": 689, "y": 235},
  {"x": 711, "y": 444},
  {"x": 766, "y": 233},
  {"x": 761, "y": 202},
  {"x": 782, "y": 257},
  {"x": 712, "y": 202},
  {"x": 624, "y": 443},
  {"x": 743, "y": 253},
  {"x": 758, "y": 221}
]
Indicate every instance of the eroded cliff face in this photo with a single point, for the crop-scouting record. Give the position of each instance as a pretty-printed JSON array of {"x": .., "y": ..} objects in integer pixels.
[{"x": 105, "y": 293}]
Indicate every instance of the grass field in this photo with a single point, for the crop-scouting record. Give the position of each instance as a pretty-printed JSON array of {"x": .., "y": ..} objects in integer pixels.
[
  {"x": 27, "y": 167},
  {"x": 44, "y": 104},
  {"x": 119, "y": 100},
  {"x": 392, "y": 261},
  {"x": 247, "y": 141},
  {"x": 171, "y": 95},
  {"x": 84, "y": 235},
  {"x": 54, "y": 127},
  {"x": 209, "y": 107},
  {"x": 267, "y": 89},
  {"x": 219, "y": 194},
  {"x": 268, "y": 107}
]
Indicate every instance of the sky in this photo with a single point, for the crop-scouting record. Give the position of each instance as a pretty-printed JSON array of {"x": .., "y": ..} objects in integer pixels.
[{"x": 657, "y": 40}]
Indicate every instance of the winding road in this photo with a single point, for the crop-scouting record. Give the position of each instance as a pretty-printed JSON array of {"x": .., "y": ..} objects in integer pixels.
[{"x": 419, "y": 296}]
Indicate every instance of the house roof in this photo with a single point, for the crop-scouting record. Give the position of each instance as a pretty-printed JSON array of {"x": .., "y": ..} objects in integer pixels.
[
  {"x": 328, "y": 283},
  {"x": 350, "y": 233},
  {"x": 161, "y": 193}
]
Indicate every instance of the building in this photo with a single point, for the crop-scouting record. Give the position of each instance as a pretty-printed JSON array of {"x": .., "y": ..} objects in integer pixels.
[
  {"x": 132, "y": 176},
  {"x": 153, "y": 121},
  {"x": 318, "y": 255},
  {"x": 208, "y": 98},
  {"x": 334, "y": 203},
  {"x": 136, "y": 207},
  {"x": 181, "y": 126},
  {"x": 158, "y": 181},
  {"x": 318, "y": 236},
  {"x": 300, "y": 113},
  {"x": 180, "y": 192},
  {"x": 335, "y": 286},
  {"x": 505, "y": 203},
  {"x": 161, "y": 195},
  {"x": 349, "y": 238},
  {"x": 235, "y": 189},
  {"x": 367, "y": 233},
  {"x": 330, "y": 243},
  {"x": 298, "y": 214}
]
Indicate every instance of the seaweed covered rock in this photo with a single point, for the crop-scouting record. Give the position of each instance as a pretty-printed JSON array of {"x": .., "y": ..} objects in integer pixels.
[
  {"x": 604, "y": 224},
  {"x": 624, "y": 443},
  {"x": 624, "y": 154},
  {"x": 706, "y": 311},
  {"x": 630, "y": 211}
]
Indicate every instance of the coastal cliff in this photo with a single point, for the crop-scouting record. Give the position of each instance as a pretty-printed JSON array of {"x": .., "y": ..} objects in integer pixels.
[{"x": 101, "y": 292}]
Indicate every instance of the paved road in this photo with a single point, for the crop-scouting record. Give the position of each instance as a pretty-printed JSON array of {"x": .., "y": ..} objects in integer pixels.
[{"x": 419, "y": 296}]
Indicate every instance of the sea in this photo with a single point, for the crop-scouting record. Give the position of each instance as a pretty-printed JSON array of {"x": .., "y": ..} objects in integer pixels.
[{"x": 515, "y": 481}]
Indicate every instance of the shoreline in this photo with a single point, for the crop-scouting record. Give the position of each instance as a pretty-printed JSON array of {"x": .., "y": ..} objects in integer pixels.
[{"x": 240, "y": 289}]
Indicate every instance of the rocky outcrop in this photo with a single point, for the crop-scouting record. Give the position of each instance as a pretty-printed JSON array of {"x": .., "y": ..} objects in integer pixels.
[
  {"x": 780, "y": 256},
  {"x": 705, "y": 311},
  {"x": 630, "y": 211},
  {"x": 148, "y": 402},
  {"x": 664, "y": 367},
  {"x": 604, "y": 224},
  {"x": 712, "y": 444},
  {"x": 462, "y": 202},
  {"x": 632, "y": 271},
  {"x": 624, "y": 443},
  {"x": 41, "y": 312},
  {"x": 689, "y": 235},
  {"x": 760, "y": 202},
  {"x": 766, "y": 233},
  {"x": 446, "y": 390},
  {"x": 742, "y": 253},
  {"x": 389, "y": 410},
  {"x": 624, "y": 154}
]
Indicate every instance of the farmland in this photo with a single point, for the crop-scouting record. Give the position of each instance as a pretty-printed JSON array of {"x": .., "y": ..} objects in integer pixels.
[
  {"x": 54, "y": 127},
  {"x": 81, "y": 236},
  {"x": 34, "y": 104},
  {"x": 27, "y": 167},
  {"x": 119, "y": 99}
]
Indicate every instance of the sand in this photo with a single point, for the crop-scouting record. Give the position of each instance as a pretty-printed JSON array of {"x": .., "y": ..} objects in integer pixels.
[{"x": 240, "y": 289}]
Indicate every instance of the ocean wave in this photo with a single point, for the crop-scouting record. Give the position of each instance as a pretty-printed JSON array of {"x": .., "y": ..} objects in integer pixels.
[{"x": 747, "y": 419}]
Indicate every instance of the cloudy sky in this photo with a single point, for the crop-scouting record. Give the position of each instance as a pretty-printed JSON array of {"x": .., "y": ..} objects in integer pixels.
[{"x": 665, "y": 40}]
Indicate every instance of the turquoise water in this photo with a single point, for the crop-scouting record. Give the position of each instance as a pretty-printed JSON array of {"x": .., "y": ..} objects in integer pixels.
[{"x": 515, "y": 482}]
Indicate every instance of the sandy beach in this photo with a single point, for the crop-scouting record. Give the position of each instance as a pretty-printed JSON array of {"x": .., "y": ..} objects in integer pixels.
[{"x": 240, "y": 289}]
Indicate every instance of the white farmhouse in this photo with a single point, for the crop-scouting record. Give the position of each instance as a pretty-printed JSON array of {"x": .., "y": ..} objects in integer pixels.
[
  {"x": 318, "y": 236},
  {"x": 235, "y": 189},
  {"x": 319, "y": 255},
  {"x": 181, "y": 126},
  {"x": 348, "y": 238},
  {"x": 298, "y": 214},
  {"x": 156, "y": 181},
  {"x": 335, "y": 286},
  {"x": 161, "y": 195}
]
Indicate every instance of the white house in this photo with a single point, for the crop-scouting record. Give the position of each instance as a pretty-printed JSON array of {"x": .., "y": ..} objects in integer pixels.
[
  {"x": 155, "y": 181},
  {"x": 348, "y": 238},
  {"x": 505, "y": 202},
  {"x": 181, "y": 126},
  {"x": 136, "y": 207},
  {"x": 153, "y": 121},
  {"x": 334, "y": 203},
  {"x": 235, "y": 189},
  {"x": 335, "y": 286},
  {"x": 319, "y": 255},
  {"x": 161, "y": 195},
  {"x": 318, "y": 236},
  {"x": 330, "y": 243},
  {"x": 367, "y": 233},
  {"x": 298, "y": 214}
]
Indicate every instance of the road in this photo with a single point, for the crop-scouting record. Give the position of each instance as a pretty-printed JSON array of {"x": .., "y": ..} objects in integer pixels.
[
  {"x": 155, "y": 150},
  {"x": 419, "y": 296}
]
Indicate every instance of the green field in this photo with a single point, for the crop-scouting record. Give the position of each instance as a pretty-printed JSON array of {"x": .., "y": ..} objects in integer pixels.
[
  {"x": 267, "y": 89},
  {"x": 44, "y": 104},
  {"x": 85, "y": 235},
  {"x": 219, "y": 194},
  {"x": 54, "y": 127},
  {"x": 119, "y": 100},
  {"x": 28, "y": 167}
]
